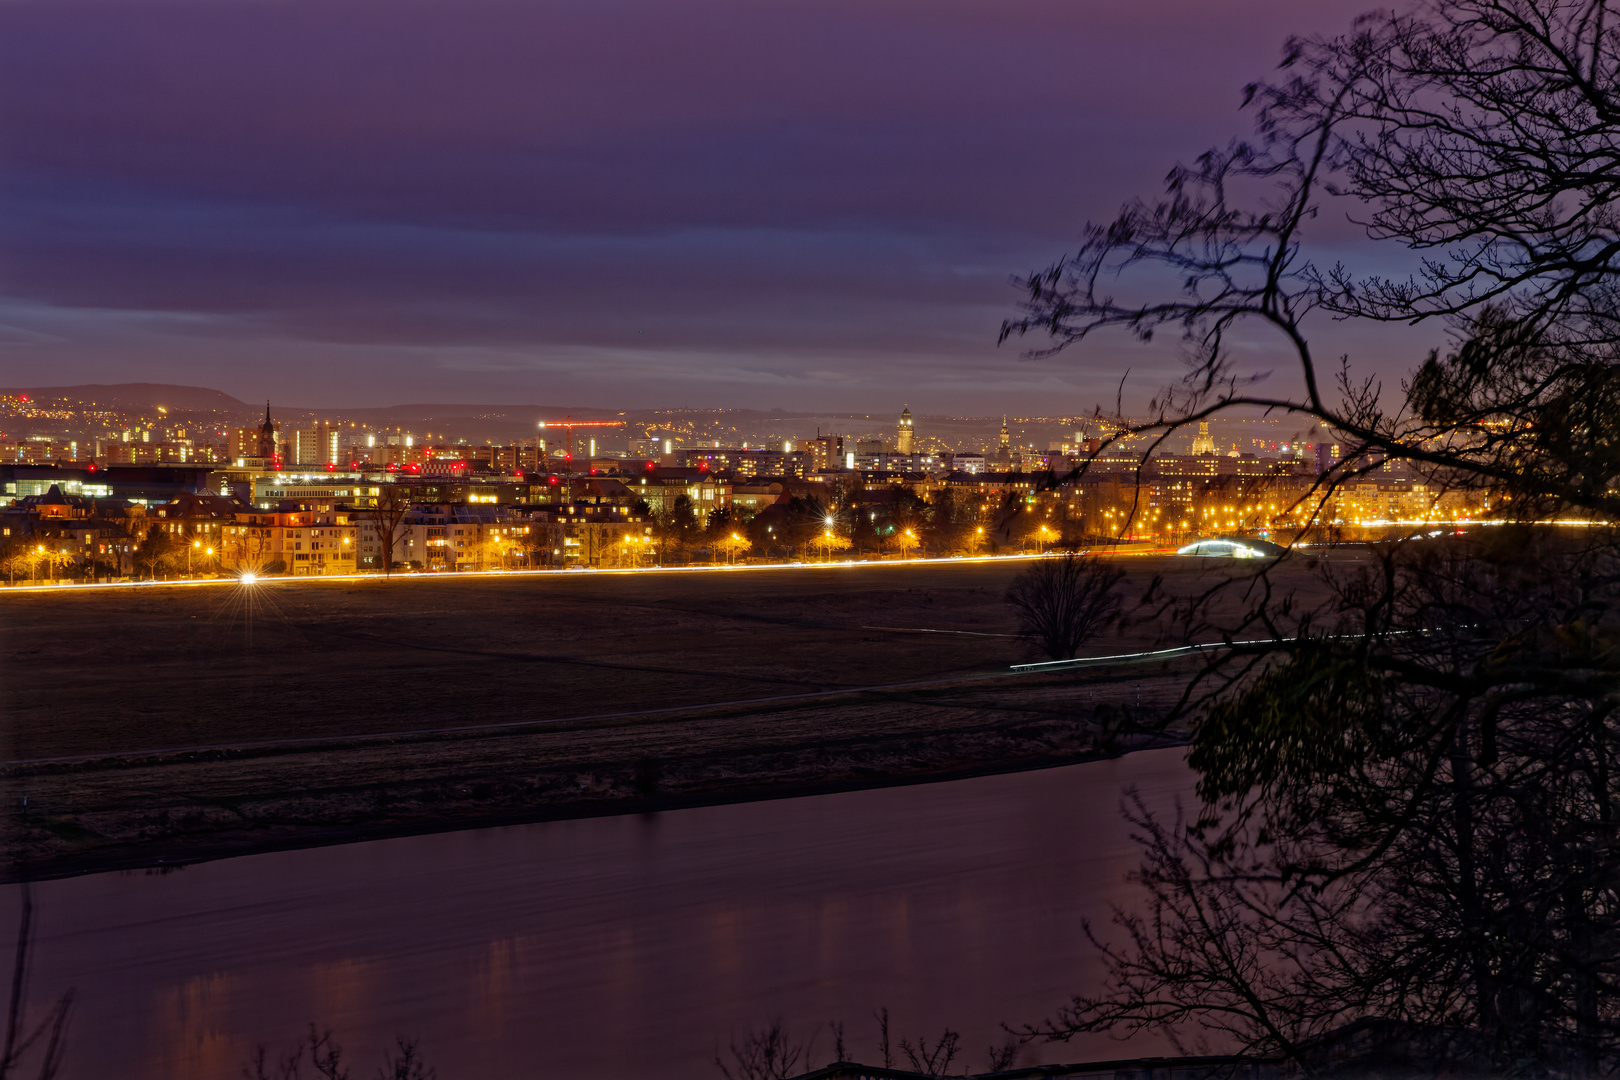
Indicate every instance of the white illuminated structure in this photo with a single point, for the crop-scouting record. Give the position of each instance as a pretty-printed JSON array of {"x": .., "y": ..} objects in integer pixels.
[{"x": 1231, "y": 549}]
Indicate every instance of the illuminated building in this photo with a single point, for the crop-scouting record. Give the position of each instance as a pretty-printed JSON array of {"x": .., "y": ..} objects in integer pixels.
[
  {"x": 599, "y": 535},
  {"x": 319, "y": 445},
  {"x": 826, "y": 452},
  {"x": 301, "y": 539},
  {"x": 904, "y": 438}
]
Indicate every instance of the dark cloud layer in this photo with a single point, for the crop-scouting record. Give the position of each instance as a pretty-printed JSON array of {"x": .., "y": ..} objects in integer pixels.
[{"x": 741, "y": 202}]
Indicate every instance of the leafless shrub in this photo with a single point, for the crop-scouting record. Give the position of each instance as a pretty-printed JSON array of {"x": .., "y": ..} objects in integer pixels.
[
  {"x": 768, "y": 1054},
  {"x": 840, "y": 1053},
  {"x": 405, "y": 1063},
  {"x": 259, "y": 1067},
  {"x": 936, "y": 1060},
  {"x": 1003, "y": 1056},
  {"x": 322, "y": 1053},
  {"x": 882, "y": 1017},
  {"x": 326, "y": 1055}
]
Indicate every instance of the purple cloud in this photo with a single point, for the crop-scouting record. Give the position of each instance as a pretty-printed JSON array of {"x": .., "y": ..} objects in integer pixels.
[{"x": 821, "y": 201}]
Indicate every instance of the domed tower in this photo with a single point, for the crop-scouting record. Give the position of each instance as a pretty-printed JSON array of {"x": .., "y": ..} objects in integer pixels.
[{"x": 904, "y": 439}]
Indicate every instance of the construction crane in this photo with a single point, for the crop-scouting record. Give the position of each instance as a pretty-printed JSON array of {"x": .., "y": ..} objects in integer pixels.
[{"x": 569, "y": 424}]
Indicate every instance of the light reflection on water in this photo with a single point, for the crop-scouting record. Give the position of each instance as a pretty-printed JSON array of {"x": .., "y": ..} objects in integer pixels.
[{"x": 623, "y": 946}]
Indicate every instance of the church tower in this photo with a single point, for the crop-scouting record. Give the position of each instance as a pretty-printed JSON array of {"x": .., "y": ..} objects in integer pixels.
[
  {"x": 1003, "y": 458},
  {"x": 267, "y": 436},
  {"x": 1204, "y": 442},
  {"x": 904, "y": 439}
]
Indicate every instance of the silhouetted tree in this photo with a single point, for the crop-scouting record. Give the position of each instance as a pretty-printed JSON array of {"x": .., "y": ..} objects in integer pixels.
[
  {"x": 386, "y": 514},
  {"x": 156, "y": 552},
  {"x": 1063, "y": 602},
  {"x": 1410, "y": 790},
  {"x": 674, "y": 527}
]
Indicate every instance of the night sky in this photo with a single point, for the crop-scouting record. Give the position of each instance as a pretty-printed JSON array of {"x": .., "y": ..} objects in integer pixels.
[{"x": 767, "y": 203}]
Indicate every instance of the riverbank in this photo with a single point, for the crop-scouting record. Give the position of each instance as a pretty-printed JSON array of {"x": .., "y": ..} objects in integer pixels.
[{"x": 146, "y": 811}]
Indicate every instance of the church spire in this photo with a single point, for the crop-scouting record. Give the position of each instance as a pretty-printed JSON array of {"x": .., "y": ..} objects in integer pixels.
[{"x": 267, "y": 435}]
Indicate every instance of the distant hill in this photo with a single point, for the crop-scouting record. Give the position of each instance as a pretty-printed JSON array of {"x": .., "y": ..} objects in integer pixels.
[
  {"x": 448, "y": 420},
  {"x": 473, "y": 422},
  {"x": 139, "y": 396},
  {"x": 450, "y": 413}
]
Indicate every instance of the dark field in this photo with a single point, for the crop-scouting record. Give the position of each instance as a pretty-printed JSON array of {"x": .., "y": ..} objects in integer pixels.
[{"x": 188, "y": 712}]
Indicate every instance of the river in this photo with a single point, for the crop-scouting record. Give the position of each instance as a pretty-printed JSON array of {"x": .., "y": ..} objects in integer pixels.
[{"x": 612, "y": 947}]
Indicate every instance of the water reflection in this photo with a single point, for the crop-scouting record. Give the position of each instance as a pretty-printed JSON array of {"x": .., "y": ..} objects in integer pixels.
[{"x": 618, "y": 947}]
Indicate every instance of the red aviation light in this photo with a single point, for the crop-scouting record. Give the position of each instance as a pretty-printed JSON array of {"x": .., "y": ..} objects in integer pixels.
[
  {"x": 331, "y": 466},
  {"x": 416, "y": 468}
]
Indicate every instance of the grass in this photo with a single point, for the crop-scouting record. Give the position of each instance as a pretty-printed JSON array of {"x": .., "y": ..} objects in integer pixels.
[{"x": 185, "y": 711}]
